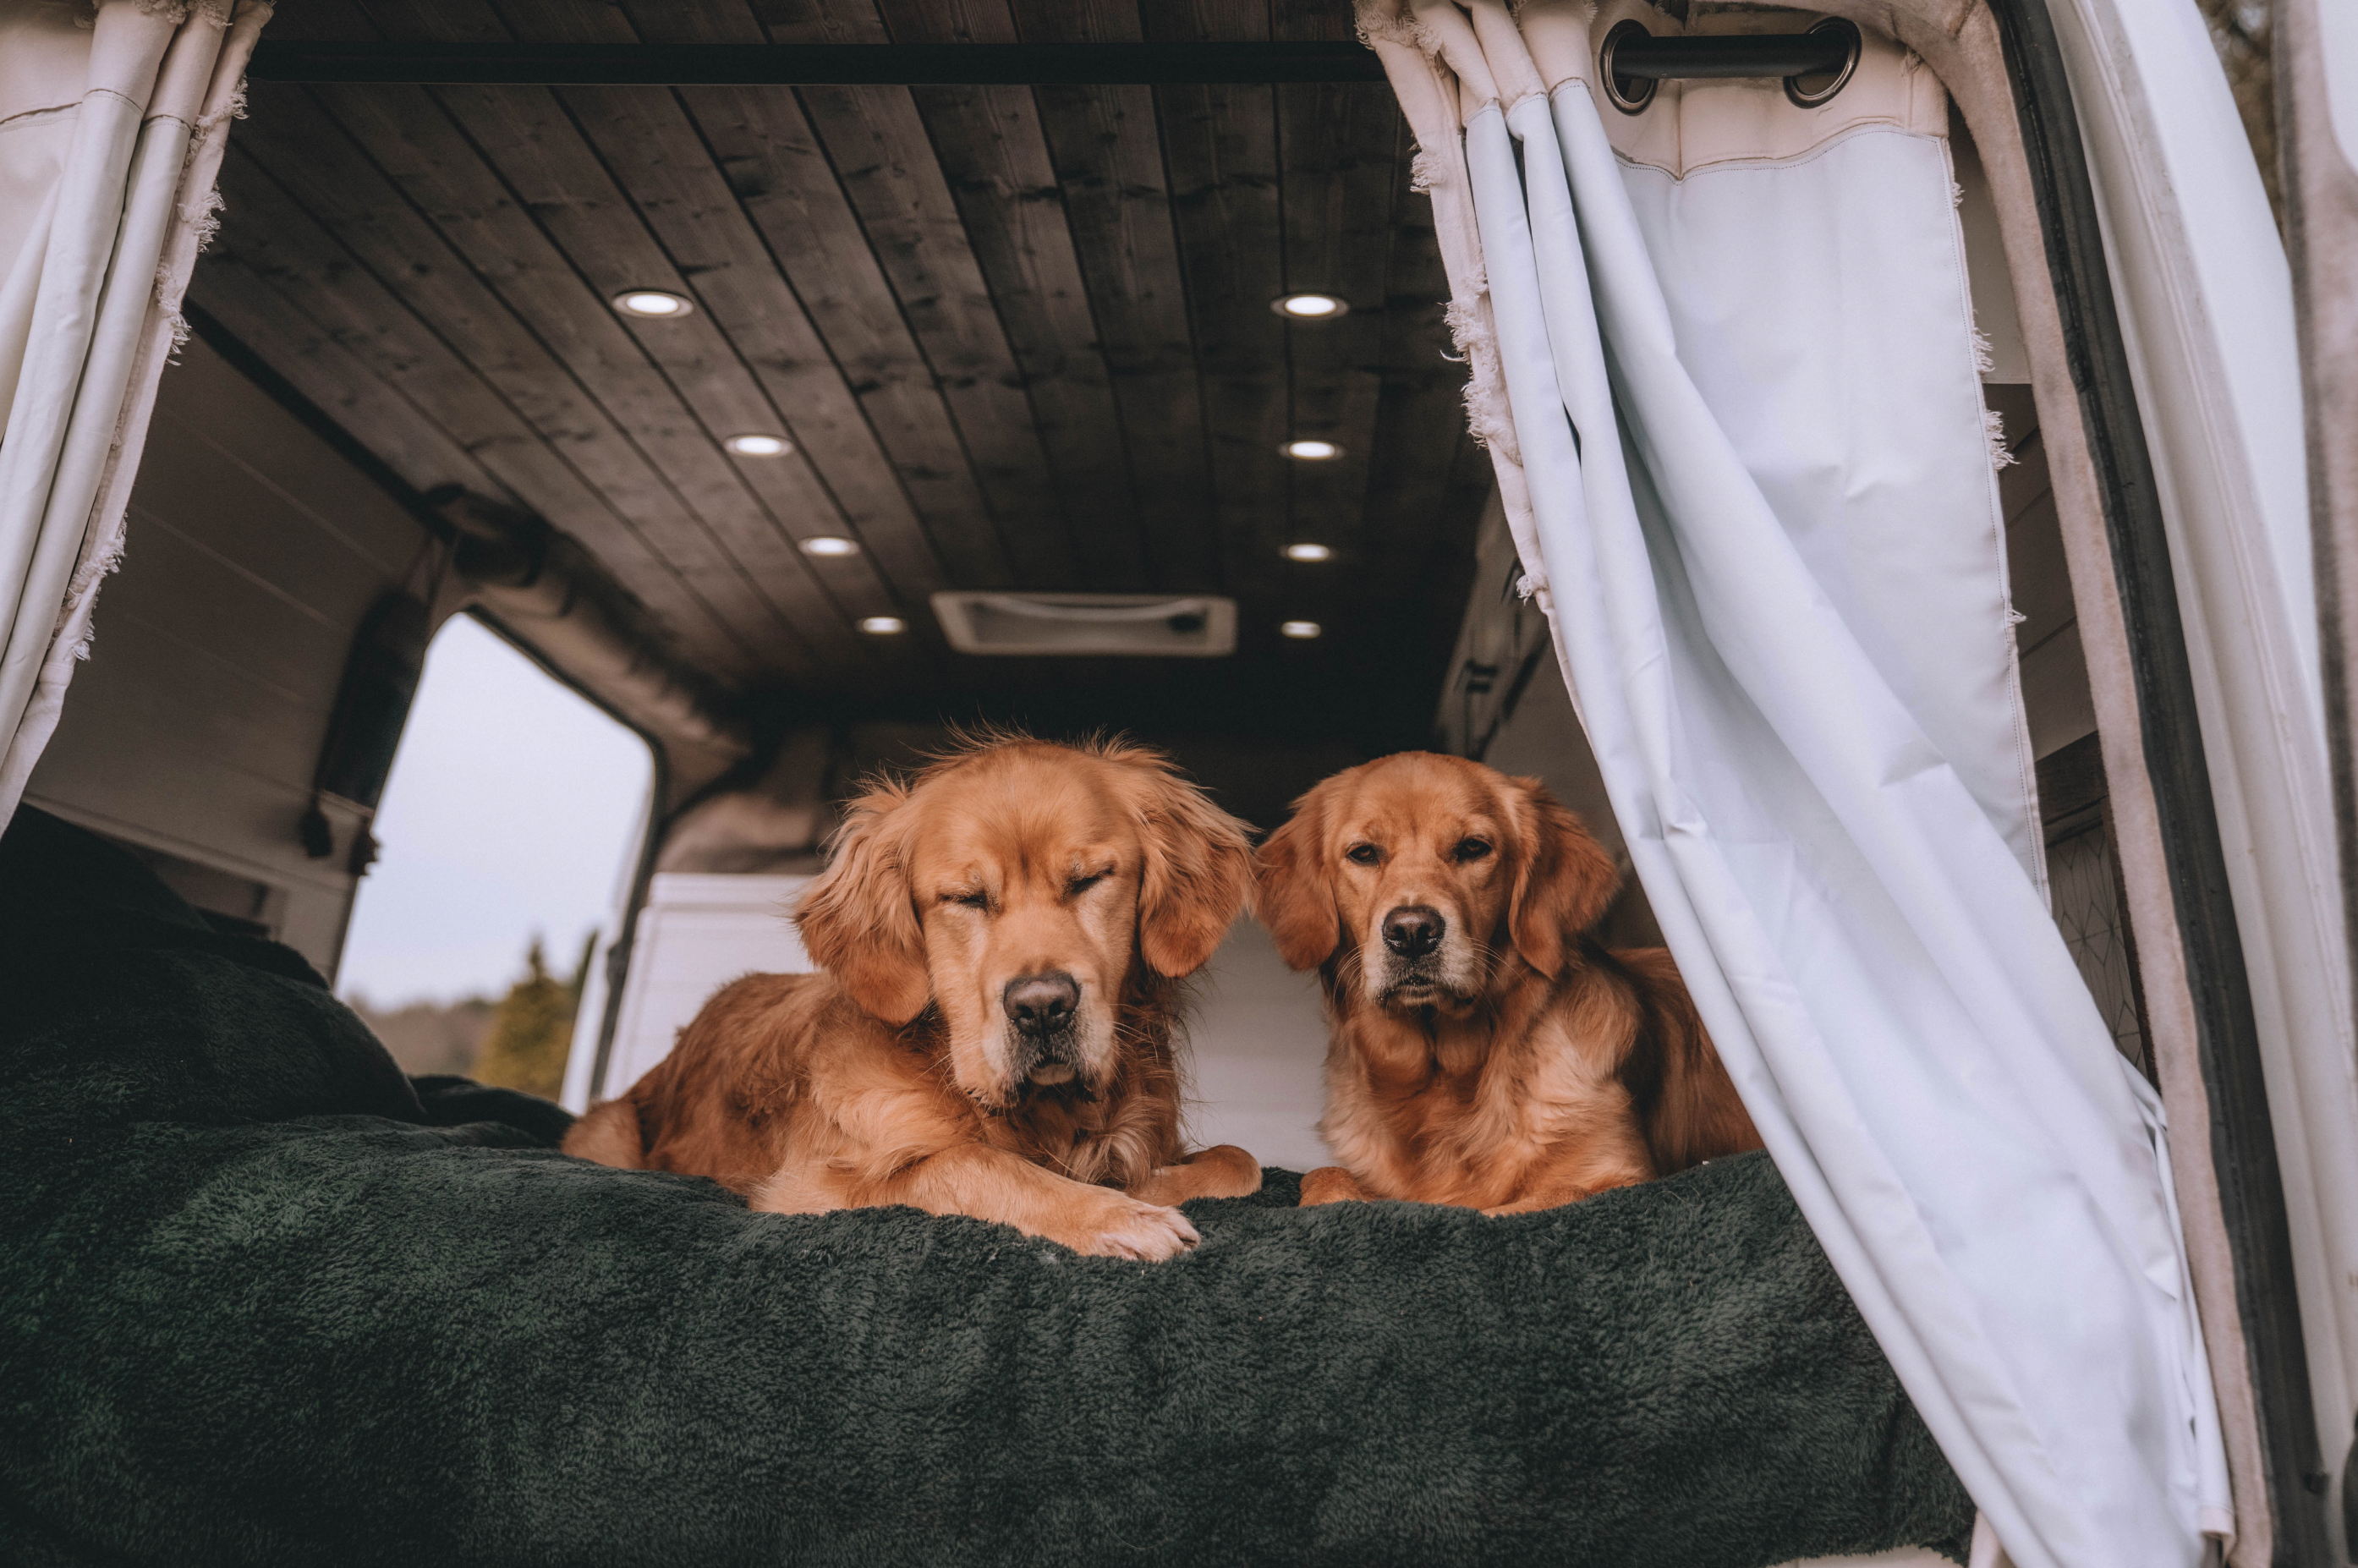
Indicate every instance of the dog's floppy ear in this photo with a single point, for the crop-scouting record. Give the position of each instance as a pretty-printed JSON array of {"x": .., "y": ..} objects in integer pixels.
[
  {"x": 1563, "y": 879},
  {"x": 859, "y": 919},
  {"x": 1292, "y": 893},
  {"x": 1198, "y": 863}
]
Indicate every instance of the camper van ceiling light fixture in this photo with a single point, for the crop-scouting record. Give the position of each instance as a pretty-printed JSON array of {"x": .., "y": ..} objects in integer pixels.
[
  {"x": 655, "y": 303},
  {"x": 1308, "y": 553},
  {"x": 758, "y": 445},
  {"x": 1312, "y": 451},
  {"x": 883, "y": 625},
  {"x": 1311, "y": 307},
  {"x": 1301, "y": 631},
  {"x": 832, "y": 545}
]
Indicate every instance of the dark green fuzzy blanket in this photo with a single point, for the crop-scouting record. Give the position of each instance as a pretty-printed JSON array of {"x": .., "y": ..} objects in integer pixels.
[{"x": 263, "y": 1300}]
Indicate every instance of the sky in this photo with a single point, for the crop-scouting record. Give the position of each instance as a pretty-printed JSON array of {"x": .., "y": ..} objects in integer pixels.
[{"x": 513, "y": 808}]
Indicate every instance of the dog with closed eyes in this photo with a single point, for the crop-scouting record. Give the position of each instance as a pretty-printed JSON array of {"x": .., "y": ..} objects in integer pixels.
[
  {"x": 1002, "y": 941},
  {"x": 1485, "y": 1049}
]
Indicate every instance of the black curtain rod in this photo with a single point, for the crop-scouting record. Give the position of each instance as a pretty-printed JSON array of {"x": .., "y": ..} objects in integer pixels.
[
  {"x": 812, "y": 65},
  {"x": 963, "y": 65},
  {"x": 1733, "y": 55}
]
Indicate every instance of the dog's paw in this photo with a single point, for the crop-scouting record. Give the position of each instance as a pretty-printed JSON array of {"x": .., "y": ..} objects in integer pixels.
[
  {"x": 1124, "y": 1226},
  {"x": 1329, "y": 1183},
  {"x": 1223, "y": 1170}
]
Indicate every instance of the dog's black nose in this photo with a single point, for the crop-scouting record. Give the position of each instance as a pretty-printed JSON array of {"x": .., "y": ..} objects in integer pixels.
[
  {"x": 1040, "y": 1005},
  {"x": 1413, "y": 930}
]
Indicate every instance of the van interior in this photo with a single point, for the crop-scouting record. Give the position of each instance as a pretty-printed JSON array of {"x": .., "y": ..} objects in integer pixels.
[{"x": 803, "y": 429}]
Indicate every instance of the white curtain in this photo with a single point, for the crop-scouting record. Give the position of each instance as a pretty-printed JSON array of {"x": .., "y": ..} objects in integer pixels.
[
  {"x": 1724, "y": 358},
  {"x": 112, "y": 128}
]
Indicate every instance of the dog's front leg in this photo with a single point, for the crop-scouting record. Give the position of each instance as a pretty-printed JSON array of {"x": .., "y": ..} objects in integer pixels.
[
  {"x": 1331, "y": 1183},
  {"x": 991, "y": 1184},
  {"x": 1594, "y": 1177},
  {"x": 1223, "y": 1170}
]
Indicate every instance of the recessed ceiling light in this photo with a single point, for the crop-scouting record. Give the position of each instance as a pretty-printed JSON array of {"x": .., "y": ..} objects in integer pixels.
[
  {"x": 1305, "y": 630},
  {"x": 654, "y": 302},
  {"x": 1311, "y": 307},
  {"x": 758, "y": 446},
  {"x": 1311, "y": 451},
  {"x": 883, "y": 625},
  {"x": 1307, "y": 553},
  {"x": 829, "y": 545}
]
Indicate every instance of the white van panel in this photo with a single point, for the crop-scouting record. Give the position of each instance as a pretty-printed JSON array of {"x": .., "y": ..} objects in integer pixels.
[
  {"x": 1257, "y": 1075},
  {"x": 695, "y": 933},
  {"x": 253, "y": 551},
  {"x": 2207, "y": 315}
]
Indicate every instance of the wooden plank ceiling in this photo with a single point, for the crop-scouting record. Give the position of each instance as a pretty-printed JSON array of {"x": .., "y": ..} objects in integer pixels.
[{"x": 1019, "y": 337}]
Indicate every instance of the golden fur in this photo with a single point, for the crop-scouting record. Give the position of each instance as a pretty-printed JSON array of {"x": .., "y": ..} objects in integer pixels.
[
  {"x": 900, "y": 1075},
  {"x": 1516, "y": 1064}
]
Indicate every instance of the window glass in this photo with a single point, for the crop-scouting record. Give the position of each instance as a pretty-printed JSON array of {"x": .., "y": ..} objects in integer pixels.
[{"x": 510, "y": 824}]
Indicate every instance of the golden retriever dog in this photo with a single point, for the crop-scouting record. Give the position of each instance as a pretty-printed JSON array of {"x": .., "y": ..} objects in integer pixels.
[
  {"x": 1003, "y": 939},
  {"x": 1484, "y": 1049}
]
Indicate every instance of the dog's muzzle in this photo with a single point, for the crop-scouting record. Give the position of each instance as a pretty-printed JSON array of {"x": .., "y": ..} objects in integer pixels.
[
  {"x": 1041, "y": 1011},
  {"x": 1411, "y": 936}
]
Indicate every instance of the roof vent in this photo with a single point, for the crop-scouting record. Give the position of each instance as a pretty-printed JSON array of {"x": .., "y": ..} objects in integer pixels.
[{"x": 1197, "y": 626}]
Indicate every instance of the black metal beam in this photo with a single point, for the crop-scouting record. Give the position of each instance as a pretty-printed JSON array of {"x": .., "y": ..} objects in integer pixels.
[
  {"x": 2243, "y": 1133},
  {"x": 811, "y": 65}
]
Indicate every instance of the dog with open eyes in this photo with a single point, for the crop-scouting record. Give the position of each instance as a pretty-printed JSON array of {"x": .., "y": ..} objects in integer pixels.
[
  {"x": 1002, "y": 941},
  {"x": 1484, "y": 1049}
]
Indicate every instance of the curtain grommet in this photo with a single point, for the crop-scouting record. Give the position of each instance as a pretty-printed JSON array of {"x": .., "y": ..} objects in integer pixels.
[
  {"x": 1803, "y": 97},
  {"x": 1630, "y": 94}
]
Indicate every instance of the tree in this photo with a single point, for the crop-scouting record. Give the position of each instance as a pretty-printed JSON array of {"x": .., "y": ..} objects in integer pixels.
[{"x": 532, "y": 1030}]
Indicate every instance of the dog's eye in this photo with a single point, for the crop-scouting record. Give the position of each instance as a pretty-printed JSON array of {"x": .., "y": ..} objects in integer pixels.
[
  {"x": 1472, "y": 848},
  {"x": 1363, "y": 854},
  {"x": 976, "y": 900},
  {"x": 1082, "y": 884}
]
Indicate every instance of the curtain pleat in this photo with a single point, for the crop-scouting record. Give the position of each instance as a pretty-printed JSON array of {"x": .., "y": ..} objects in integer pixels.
[
  {"x": 1847, "y": 892},
  {"x": 89, "y": 314}
]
